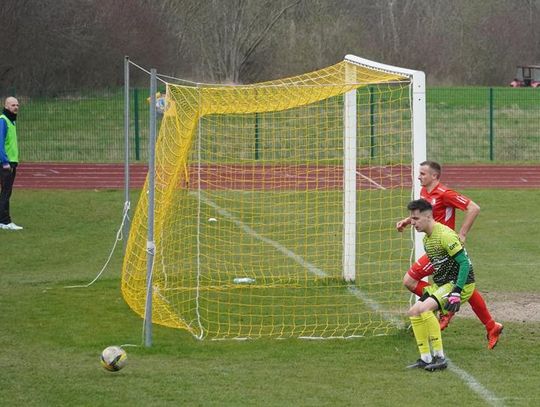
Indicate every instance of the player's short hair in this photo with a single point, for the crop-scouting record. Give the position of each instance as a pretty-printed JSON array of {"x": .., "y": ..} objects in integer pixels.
[
  {"x": 434, "y": 166},
  {"x": 419, "y": 204}
]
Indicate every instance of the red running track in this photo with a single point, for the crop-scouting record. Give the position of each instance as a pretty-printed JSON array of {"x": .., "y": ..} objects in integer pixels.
[{"x": 290, "y": 177}]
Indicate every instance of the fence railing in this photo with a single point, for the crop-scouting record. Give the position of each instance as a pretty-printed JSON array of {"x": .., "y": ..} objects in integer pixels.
[
  {"x": 465, "y": 125},
  {"x": 80, "y": 127},
  {"x": 491, "y": 125}
]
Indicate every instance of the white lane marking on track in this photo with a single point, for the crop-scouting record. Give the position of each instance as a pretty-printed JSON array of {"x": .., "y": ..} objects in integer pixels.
[{"x": 370, "y": 180}]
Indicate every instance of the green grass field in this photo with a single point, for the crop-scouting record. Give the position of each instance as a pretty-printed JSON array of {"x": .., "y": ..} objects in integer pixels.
[{"x": 51, "y": 337}]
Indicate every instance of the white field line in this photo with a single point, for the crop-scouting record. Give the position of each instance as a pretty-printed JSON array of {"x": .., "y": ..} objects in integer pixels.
[
  {"x": 475, "y": 386},
  {"x": 223, "y": 212},
  {"x": 468, "y": 379}
]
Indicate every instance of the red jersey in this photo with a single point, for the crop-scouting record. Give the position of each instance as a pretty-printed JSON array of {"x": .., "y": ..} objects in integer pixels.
[{"x": 444, "y": 202}]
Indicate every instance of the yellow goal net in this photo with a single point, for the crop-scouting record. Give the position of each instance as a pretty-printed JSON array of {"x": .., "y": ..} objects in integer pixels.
[{"x": 275, "y": 205}]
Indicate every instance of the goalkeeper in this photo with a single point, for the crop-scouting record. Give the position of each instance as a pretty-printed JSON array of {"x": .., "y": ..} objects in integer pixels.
[{"x": 453, "y": 280}]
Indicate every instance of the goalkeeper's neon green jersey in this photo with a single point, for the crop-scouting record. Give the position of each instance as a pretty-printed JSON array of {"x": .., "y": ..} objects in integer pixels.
[{"x": 441, "y": 248}]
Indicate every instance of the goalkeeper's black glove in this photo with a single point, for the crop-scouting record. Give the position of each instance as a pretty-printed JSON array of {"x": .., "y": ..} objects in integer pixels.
[{"x": 454, "y": 300}]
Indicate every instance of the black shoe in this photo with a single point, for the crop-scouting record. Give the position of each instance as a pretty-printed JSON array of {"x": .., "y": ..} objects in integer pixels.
[
  {"x": 438, "y": 363},
  {"x": 419, "y": 364}
]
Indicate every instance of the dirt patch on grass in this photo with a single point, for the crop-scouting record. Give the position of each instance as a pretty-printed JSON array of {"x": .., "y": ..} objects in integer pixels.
[{"x": 512, "y": 307}]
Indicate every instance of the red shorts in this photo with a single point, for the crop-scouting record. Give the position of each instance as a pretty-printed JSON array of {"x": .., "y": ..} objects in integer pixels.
[{"x": 421, "y": 268}]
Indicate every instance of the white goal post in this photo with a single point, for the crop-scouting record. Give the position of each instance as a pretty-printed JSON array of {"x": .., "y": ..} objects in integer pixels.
[{"x": 418, "y": 106}]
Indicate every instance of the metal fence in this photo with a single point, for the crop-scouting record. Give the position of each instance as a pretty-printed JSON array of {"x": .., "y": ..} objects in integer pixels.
[
  {"x": 487, "y": 125},
  {"x": 465, "y": 125},
  {"x": 82, "y": 127}
]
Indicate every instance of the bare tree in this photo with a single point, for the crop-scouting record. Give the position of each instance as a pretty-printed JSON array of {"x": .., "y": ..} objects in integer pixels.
[
  {"x": 223, "y": 36},
  {"x": 64, "y": 44},
  {"x": 60, "y": 44}
]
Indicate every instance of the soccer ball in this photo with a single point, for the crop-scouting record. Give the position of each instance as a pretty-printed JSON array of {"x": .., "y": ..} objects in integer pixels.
[{"x": 113, "y": 358}]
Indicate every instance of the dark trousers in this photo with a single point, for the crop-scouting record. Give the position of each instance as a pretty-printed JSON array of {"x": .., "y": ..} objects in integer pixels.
[{"x": 7, "y": 178}]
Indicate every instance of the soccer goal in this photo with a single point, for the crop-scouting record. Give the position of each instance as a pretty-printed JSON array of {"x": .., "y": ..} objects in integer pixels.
[{"x": 275, "y": 205}]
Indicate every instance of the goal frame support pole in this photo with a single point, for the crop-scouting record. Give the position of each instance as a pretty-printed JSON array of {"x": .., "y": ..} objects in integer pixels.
[
  {"x": 127, "y": 222},
  {"x": 150, "y": 244}
]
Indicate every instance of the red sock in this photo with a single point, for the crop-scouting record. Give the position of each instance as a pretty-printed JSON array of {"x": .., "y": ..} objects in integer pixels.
[
  {"x": 479, "y": 307},
  {"x": 419, "y": 287}
]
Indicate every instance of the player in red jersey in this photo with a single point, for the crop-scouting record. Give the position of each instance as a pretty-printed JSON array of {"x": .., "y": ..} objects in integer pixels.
[{"x": 445, "y": 201}]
